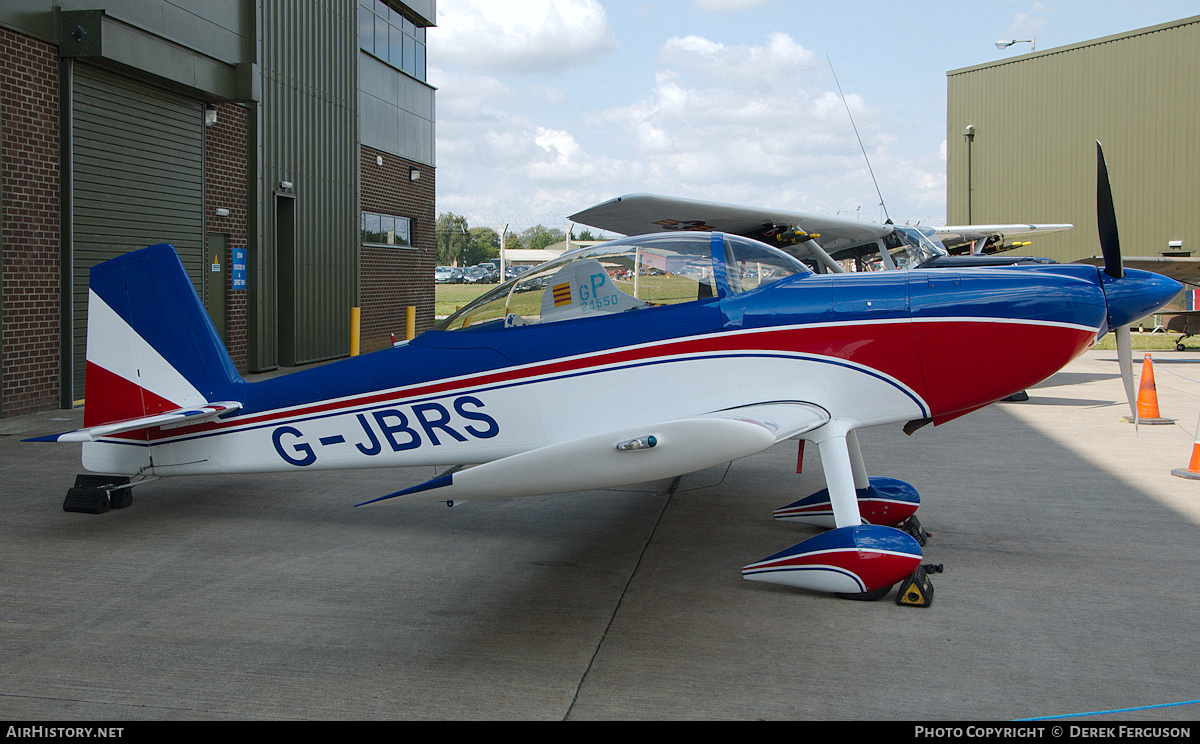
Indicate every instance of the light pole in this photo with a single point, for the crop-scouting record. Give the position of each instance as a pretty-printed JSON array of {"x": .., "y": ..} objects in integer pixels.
[
  {"x": 969, "y": 136},
  {"x": 1006, "y": 43}
]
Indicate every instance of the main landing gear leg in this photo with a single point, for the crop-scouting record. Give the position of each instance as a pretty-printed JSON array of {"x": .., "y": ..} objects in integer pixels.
[
  {"x": 855, "y": 560},
  {"x": 881, "y": 500},
  {"x": 838, "y": 463},
  {"x": 887, "y": 501},
  {"x": 857, "y": 466}
]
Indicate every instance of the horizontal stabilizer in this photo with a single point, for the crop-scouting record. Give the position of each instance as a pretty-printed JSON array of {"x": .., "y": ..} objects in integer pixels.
[
  {"x": 179, "y": 417},
  {"x": 626, "y": 456}
]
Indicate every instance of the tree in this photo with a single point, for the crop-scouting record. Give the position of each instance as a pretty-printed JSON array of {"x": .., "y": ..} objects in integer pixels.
[
  {"x": 485, "y": 244},
  {"x": 512, "y": 241},
  {"x": 452, "y": 239},
  {"x": 459, "y": 244},
  {"x": 540, "y": 236}
]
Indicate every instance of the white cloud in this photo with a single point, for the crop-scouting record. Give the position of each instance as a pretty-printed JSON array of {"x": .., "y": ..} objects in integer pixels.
[
  {"x": 780, "y": 60},
  {"x": 498, "y": 164},
  {"x": 750, "y": 124},
  {"x": 519, "y": 35},
  {"x": 760, "y": 125},
  {"x": 1029, "y": 25}
]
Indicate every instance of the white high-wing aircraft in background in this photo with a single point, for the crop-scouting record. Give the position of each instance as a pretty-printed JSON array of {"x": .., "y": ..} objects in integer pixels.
[{"x": 819, "y": 240}]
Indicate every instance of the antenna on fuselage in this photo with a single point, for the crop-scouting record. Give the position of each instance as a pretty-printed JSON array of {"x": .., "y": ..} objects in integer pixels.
[{"x": 860, "y": 142}]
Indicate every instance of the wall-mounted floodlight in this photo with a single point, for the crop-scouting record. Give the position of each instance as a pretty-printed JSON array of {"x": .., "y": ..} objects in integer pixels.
[
  {"x": 414, "y": 174},
  {"x": 222, "y": 212},
  {"x": 285, "y": 184},
  {"x": 1006, "y": 43}
]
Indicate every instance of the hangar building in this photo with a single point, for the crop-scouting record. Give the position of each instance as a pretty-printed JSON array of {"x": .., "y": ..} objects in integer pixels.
[
  {"x": 1021, "y": 137},
  {"x": 285, "y": 148}
]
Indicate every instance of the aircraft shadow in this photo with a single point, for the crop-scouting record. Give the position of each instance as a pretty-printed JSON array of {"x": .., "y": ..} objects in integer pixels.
[
  {"x": 1073, "y": 378},
  {"x": 1038, "y": 400}
]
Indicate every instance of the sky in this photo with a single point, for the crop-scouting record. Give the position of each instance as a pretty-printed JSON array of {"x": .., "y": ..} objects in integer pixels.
[{"x": 546, "y": 107}]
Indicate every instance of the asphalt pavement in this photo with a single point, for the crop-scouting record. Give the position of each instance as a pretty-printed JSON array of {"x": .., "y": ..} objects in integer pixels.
[{"x": 1069, "y": 586}]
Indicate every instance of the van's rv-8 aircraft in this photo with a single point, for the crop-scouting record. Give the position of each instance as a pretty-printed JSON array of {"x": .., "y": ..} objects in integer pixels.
[{"x": 718, "y": 346}]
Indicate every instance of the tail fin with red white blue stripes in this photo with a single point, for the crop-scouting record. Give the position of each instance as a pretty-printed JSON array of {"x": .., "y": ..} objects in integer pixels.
[{"x": 153, "y": 355}]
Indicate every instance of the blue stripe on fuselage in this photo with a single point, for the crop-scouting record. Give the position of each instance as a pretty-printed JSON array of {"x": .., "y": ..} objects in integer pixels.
[
  {"x": 1069, "y": 294},
  {"x": 1054, "y": 294}
]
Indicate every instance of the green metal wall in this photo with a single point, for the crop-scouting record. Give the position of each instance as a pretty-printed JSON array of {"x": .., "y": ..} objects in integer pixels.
[
  {"x": 308, "y": 137},
  {"x": 137, "y": 164},
  {"x": 1037, "y": 117}
]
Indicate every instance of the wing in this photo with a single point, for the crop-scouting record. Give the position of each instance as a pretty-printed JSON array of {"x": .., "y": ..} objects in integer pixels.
[
  {"x": 1187, "y": 322},
  {"x": 169, "y": 419},
  {"x": 626, "y": 456},
  {"x": 1180, "y": 268},
  {"x": 637, "y": 214},
  {"x": 956, "y": 235}
]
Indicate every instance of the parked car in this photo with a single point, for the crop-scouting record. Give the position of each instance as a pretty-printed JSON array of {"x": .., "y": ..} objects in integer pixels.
[
  {"x": 448, "y": 275},
  {"x": 477, "y": 275}
]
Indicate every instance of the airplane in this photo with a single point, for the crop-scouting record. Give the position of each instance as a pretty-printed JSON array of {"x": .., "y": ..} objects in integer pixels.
[
  {"x": 1186, "y": 323},
  {"x": 824, "y": 242},
  {"x": 710, "y": 348}
]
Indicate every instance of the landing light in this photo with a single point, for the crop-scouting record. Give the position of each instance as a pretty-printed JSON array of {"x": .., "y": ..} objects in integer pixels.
[{"x": 636, "y": 444}]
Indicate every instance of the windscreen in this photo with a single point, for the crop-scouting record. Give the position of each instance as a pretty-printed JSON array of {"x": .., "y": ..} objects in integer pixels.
[{"x": 628, "y": 275}]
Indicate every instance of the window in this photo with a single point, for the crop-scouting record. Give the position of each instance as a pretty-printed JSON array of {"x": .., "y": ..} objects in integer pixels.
[
  {"x": 750, "y": 264},
  {"x": 386, "y": 229},
  {"x": 630, "y": 274},
  {"x": 387, "y": 34}
]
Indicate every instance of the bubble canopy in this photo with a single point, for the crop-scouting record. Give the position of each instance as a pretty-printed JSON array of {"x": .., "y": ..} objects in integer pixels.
[{"x": 629, "y": 274}]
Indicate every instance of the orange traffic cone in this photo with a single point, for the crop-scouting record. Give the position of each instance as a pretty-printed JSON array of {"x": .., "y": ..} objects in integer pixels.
[
  {"x": 1193, "y": 469},
  {"x": 1147, "y": 402}
]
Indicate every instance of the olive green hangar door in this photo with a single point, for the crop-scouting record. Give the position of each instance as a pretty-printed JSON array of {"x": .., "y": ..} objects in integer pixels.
[{"x": 137, "y": 160}]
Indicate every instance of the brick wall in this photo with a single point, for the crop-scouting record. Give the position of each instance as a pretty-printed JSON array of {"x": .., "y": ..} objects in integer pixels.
[
  {"x": 391, "y": 279},
  {"x": 225, "y": 187},
  {"x": 29, "y": 213}
]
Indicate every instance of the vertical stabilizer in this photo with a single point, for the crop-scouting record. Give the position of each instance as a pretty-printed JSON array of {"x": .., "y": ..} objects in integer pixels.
[{"x": 151, "y": 346}]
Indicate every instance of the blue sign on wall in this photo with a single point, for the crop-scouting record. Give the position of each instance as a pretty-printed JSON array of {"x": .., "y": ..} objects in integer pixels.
[{"x": 239, "y": 268}]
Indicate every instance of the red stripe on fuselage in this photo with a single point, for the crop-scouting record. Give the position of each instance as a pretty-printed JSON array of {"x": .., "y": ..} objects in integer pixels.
[
  {"x": 968, "y": 364},
  {"x": 887, "y": 348},
  {"x": 883, "y": 347}
]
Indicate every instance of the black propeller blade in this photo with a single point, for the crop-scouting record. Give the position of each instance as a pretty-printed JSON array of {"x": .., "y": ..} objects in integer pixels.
[
  {"x": 1110, "y": 247},
  {"x": 1106, "y": 219}
]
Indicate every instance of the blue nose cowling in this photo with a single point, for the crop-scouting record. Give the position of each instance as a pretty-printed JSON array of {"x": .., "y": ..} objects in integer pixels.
[{"x": 1136, "y": 295}]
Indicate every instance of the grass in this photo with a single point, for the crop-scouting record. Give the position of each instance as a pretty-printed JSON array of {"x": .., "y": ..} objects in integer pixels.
[
  {"x": 1148, "y": 342},
  {"x": 449, "y": 297}
]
